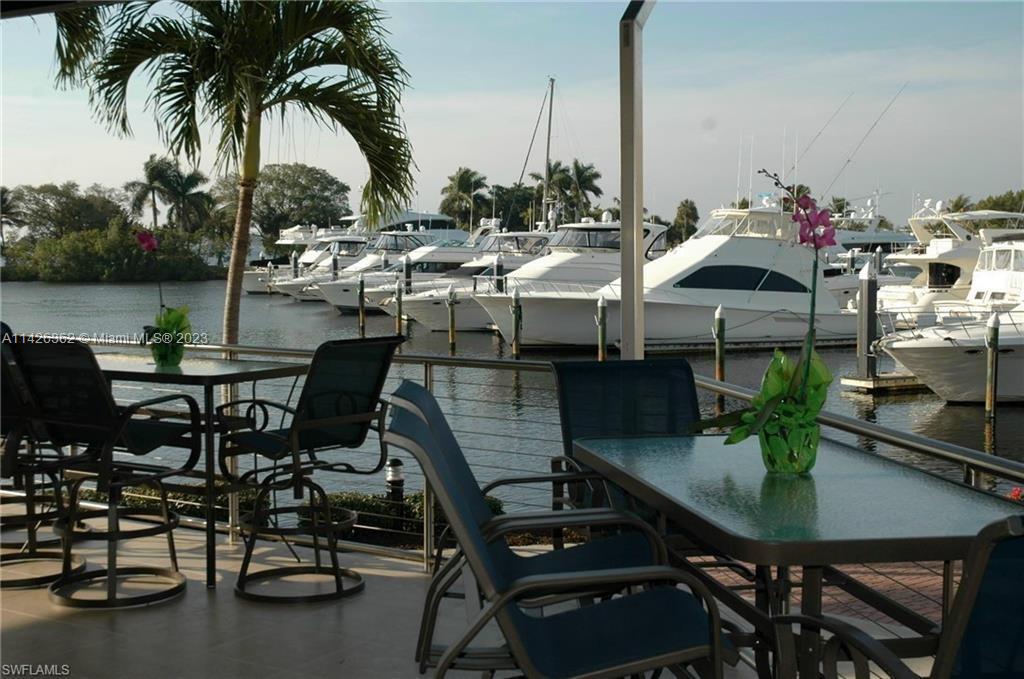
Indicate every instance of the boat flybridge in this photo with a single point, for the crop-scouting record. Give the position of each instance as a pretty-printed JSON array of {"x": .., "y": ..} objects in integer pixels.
[
  {"x": 307, "y": 249},
  {"x": 997, "y": 283},
  {"x": 426, "y": 302},
  {"x": 581, "y": 258},
  {"x": 950, "y": 359},
  {"x": 945, "y": 258},
  {"x": 302, "y": 287},
  {"x": 747, "y": 261}
]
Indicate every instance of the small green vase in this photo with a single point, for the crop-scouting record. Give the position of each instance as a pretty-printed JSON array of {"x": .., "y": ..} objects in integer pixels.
[
  {"x": 167, "y": 354},
  {"x": 790, "y": 452}
]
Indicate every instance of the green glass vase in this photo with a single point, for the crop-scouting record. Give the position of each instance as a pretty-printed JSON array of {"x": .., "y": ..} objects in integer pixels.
[
  {"x": 790, "y": 451},
  {"x": 167, "y": 354}
]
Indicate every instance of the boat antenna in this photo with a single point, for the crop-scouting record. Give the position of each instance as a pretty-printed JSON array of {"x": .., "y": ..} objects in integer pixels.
[
  {"x": 526, "y": 160},
  {"x": 864, "y": 138},
  {"x": 739, "y": 167},
  {"x": 547, "y": 151},
  {"x": 750, "y": 186},
  {"x": 796, "y": 162}
]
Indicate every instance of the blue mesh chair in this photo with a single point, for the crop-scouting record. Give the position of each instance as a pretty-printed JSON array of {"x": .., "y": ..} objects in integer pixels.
[
  {"x": 983, "y": 637},
  {"x": 662, "y": 626},
  {"x": 638, "y": 546},
  {"x": 72, "y": 400},
  {"x": 337, "y": 409}
]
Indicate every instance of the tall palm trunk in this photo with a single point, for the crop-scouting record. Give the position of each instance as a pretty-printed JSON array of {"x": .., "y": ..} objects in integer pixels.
[
  {"x": 152, "y": 201},
  {"x": 249, "y": 173}
]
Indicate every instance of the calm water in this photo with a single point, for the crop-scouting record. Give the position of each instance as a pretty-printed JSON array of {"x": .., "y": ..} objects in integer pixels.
[{"x": 507, "y": 422}]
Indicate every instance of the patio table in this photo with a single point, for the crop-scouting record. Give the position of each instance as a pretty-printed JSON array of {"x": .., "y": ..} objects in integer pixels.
[
  {"x": 854, "y": 507},
  {"x": 207, "y": 373}
]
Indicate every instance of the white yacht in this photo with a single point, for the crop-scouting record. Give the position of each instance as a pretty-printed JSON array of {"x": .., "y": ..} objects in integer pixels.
[
  {"x": 950, "y": 359},
  {"x": 428, "y": 263},
  {"x": 302, "y": 240},
  {"x": 303, "y": 287},
  {"x": 426, "y": 302},
  {"x": 582, "y": 258},
  {"x": 747, "y": 261},
  {"x": 843, "y": 281},
  {"x": 335, "y": 250},
  {"x": 997, "y": 283},
  {"x": 945, "y": 257}
]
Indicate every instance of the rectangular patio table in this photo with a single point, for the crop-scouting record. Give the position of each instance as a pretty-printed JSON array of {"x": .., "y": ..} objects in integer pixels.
[
  {"x": 854, "y": 507},
  {"x": 207, "y": 373}
]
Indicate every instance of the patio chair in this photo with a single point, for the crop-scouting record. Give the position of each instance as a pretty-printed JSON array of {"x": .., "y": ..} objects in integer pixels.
[
  {"x": 338, "y": 407},
  {"x": 27, "y": 456},
  {"x": 638, "y": 546},
  {"x": 75, "y": 405},
  {"x": 662, "y": 626},
  {"x": 982, "y": 638}
]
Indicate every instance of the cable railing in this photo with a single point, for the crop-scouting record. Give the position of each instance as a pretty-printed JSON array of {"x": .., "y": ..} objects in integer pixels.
[{"x": 505, "y": 415}]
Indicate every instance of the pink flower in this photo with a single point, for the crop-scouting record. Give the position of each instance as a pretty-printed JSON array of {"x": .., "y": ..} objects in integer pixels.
[
  {"x": 823, "y": 236},
  {"x": 822, "y": 218},
  {"x": 806, "y": 202},
  {"x": 147, "y": 241},
  {"x": 1016, "y": 494}
]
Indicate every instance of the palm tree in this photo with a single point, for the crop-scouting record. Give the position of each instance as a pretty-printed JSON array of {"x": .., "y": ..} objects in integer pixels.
[
  {"x": 463, "y": 193},
  {"x": 584, "y": 184},
  {"x": 156, "y": 173},
  {"x": 685, "y": 223},
  {"x": 10, "y": 213},
  {"x": 961, "y": 203},
  {"x": 230, "y": 64},
  {"x": 560, "y": 185},
  {"x": 839, "y": 206},
  {"x": 190, "y": 204}
]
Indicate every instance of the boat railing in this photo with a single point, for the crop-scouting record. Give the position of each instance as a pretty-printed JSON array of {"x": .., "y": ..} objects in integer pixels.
[{"x": 505, "y": 415}]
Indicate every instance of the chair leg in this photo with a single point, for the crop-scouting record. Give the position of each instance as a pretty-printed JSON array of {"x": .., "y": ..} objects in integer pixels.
[
  {"x": 113, "y": 526},
  {"x": 167, "y": 522}
]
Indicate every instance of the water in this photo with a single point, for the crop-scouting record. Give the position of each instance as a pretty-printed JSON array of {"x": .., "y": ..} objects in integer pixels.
[{"x": 507, "y": 422}]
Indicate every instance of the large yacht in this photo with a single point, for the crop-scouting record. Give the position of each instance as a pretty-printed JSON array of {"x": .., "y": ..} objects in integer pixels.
[
  {"x": 426, "y": 302},
  {"x": 582, "y": 257},
  {"x": 305, "y": 249},
  {"x": 945, "y": 258},
  {"x": 747, "y": 261},
  {"x": 950, "y": 359},
  {"x": 997, "y": 283}
]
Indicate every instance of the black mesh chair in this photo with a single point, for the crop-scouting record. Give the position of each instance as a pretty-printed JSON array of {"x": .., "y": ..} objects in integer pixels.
[
  {"x": 661, "y": 626},
  {"x": 28, "y": 458},
  {"x": 338, "y": 407},
  {"x": 74, "y": 403},
  {"x": 983, "y": 637}
]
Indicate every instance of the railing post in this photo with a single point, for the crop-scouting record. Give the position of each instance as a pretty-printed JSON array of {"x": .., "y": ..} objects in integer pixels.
[
  {"x": 517, "y": 322},
  {"x": 719, "y": 333},
  {"x": 362, "y": 306},
  {"x": 428, "y": 494},
  {"x": 398, "y": 305},
  {"x": 867, "y": 322},
  {"x": 602, "y": 328},
  {"x": 991, "y": 366},
  {"x": 450, "y": 302}
]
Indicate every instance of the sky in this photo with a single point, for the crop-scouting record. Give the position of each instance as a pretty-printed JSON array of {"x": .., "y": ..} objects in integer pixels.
[{"x": 728, "y": 87}]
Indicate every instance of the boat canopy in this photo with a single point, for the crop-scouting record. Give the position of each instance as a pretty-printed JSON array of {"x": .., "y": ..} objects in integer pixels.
[{"x": 753, "y": 223}]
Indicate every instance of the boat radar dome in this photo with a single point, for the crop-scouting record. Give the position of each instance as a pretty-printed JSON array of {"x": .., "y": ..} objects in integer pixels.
[
  {"x": 606, "y": 217},
  {"x": 587, "y": 220}
]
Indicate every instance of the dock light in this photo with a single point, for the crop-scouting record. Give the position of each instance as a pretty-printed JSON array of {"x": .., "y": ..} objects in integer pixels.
[{"x": 394, "y": 476}]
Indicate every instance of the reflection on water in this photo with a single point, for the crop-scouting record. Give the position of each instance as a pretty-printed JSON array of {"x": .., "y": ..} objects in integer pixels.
[{"x": 481, "y": 400}]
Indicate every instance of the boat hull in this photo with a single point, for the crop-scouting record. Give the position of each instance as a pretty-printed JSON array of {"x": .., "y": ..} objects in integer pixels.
[
  {"x": 956, "y": 372},
  {"x": 432, "y": 313}
]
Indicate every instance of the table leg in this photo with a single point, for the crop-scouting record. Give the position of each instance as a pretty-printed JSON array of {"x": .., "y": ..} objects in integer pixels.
[
  {"x": 810, "y": 640},
  {"x": 948, "y": 589},
  {"x": 763, "y": 602},
  {"x": 211, "y": 494}
]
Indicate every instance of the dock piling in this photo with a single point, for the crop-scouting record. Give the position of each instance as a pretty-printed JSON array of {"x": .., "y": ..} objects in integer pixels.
[
  {"x": 499, "y": 273},
  {"x": 602, "y": 328},
  {"x": 517, "y": 322},
  {"x": 718, "y": 330},
  {"x": 295, "y": 264},
  {"x": 991, "y": 366},
  {"x": 334, "y": 267},
  {"x": 867, "y": 321},
  {"x": 407, "y": 272},
  {"x": 450, "y": 302},
  {"x": 398, "y": 305},
  {"x": 362, "y": 306}
]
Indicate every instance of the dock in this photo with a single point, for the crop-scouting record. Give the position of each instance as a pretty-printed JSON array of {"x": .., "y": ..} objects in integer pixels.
[{"x": 899, "y": 382}]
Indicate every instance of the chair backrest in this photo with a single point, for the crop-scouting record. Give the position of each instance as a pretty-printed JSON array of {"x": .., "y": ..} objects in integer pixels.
[
  {"x": 417, "y": 399},
  {"x": 345, "y": 379},
  {"x": 624, "y": 398},
  {"x": 72, "y": 397},
  {"x": 984, "y": 633}
]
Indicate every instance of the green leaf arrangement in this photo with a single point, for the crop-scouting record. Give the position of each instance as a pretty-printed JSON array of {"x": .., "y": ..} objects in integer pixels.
[
  {"x": 166, "y": 336},
  {"x": 784, "y": 413}
]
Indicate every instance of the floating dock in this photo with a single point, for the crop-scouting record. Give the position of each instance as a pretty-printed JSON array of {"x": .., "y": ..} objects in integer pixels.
[{"x": 885, "y": 383}]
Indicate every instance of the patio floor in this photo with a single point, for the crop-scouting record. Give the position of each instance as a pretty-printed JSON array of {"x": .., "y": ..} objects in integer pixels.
[{"x": 215, "y": 634}]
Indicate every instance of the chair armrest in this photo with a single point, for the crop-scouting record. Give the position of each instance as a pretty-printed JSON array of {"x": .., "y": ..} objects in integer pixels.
[
  {"x": 856, "y": 641},
  {"x": 251, "y": 405},
  {"x": 134, "y": 408},
  {"x": 194, "y": 417},
  {"x": 581, "y": 518},
  {"x": 556, "y": 477}
]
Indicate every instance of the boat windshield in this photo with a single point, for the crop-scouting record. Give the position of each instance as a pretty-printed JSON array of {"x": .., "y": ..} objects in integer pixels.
[
  {"x": 530, "y": 245},
  {"x": 587, "y": 238},
  {"x": 1003, "y": 259},
  {"x": 347, "y": 248},
  {"x": 395, "y": 243},
  {"x": 778, "y": 225}
]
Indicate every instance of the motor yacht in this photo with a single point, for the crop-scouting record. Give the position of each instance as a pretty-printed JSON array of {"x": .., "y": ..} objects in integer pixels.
[
  {"x": 336, "y": 251},
  {"x": 997, "y": 283},
  {"x": 426, "y": 302},
  {"x": 945, "y": 258},
  {"x": 746, "y": 260},
  {"x": 950, "y": 359},
  {"x": 305, "y": 250}
]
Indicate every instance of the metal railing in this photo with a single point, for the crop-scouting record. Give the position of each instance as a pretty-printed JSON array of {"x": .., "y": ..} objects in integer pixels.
[{"x": 479, "y": 410}]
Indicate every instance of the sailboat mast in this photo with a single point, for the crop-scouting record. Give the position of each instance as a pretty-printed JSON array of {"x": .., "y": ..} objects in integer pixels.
[{"x": 547, "y": 151}]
